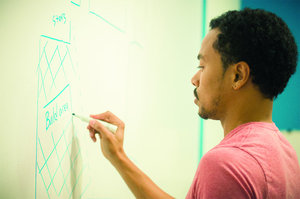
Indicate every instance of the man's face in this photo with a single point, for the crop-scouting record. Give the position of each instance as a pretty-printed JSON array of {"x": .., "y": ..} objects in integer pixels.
[{"x": 209, "y": 80}]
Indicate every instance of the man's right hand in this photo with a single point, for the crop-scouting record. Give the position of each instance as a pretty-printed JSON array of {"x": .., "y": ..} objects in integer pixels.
[{"x": 111, "y": 144}]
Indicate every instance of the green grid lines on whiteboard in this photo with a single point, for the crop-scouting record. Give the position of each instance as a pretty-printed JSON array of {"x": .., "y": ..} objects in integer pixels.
[{"x": 59, "y": 162}]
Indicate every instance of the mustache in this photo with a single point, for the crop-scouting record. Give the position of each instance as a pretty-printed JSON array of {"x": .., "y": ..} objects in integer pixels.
[{"x": 195, "y": 93}]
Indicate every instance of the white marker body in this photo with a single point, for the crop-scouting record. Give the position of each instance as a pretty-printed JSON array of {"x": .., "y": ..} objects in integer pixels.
[{"x": 112, "y": 128}]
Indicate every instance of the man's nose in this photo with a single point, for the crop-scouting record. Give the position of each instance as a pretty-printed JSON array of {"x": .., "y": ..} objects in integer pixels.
[{"x": 195, "y": 80}]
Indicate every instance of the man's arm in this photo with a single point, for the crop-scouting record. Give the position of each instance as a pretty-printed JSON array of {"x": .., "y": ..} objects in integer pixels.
[{"x": 112, "y": 148}]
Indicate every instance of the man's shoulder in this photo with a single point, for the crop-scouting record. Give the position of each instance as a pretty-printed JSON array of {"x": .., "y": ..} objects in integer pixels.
[
  {"x": 226, "y": 156},
  {"x": 233, "y": 169}
]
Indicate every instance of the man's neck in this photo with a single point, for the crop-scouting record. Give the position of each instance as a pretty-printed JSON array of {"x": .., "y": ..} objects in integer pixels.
[{"x": 250, "y": 110}]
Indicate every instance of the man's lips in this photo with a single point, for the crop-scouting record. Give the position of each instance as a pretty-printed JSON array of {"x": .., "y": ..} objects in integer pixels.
[{"x": 195, "y": 94}]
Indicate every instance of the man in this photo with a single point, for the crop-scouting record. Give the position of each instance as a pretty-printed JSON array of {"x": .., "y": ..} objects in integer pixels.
[{"x": 245, "y": 61}]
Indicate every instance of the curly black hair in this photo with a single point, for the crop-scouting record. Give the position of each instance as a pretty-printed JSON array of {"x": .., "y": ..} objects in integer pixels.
[{"x": 263, "y": 41}]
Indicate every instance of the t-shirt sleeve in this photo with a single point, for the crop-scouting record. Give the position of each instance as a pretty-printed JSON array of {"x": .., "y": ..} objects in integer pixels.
[{"x": 228, "y": 173}]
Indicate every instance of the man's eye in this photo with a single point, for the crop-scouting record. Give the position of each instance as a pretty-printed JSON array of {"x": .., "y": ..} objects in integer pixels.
[{"x": 200, "y": 67}]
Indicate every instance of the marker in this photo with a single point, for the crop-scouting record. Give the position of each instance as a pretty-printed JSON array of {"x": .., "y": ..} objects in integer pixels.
[{"x": 112, "y": 128}]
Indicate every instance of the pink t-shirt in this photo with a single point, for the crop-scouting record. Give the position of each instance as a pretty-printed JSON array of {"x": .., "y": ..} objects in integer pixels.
[{"x": 252, "y": 161}]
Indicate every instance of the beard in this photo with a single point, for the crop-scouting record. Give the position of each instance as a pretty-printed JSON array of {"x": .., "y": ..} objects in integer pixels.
[
  {"x": 196, "y": 94},
  {"x": 211, "y": 113},
  {"x": 203, "y": 113},
  {"x": 214, "y": 109}
]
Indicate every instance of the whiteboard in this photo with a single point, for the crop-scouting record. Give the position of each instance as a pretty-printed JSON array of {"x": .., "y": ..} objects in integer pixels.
[{"x": 134, "y": 58}]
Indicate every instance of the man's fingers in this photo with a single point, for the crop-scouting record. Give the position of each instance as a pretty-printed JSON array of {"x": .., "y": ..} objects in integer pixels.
[
  {"x": 99, "y": 128},
  {"x": 110, "y": 118},
  {"x": 93, "y": 137},
  {"x": 93, "y": 133}
]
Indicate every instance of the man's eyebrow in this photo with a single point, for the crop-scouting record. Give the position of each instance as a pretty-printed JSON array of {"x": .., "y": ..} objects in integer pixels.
[{"x": 200, "y": 56}]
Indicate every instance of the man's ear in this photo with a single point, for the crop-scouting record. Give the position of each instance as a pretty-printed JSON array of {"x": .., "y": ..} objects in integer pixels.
[{"x": 241, "y": 74}]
